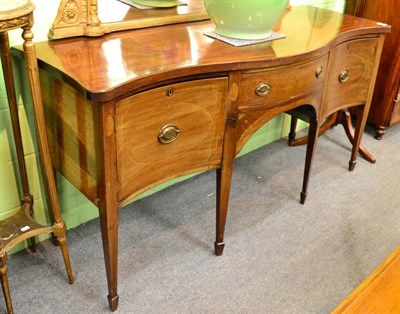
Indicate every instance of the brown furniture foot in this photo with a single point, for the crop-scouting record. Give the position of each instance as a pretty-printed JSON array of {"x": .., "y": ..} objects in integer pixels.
[
  {"x": 380, "y": 131},
  {"x": 113, "y": 302},
  {"x": 219, "y": 248},
  {"x": 303, "y": 196}
]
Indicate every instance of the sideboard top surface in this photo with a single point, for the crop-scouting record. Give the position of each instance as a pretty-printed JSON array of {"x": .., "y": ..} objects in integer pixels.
[{"x": 109, "y": 66}]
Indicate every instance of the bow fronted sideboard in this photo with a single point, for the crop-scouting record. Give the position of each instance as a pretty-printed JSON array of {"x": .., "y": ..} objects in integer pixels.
[{"x": 132, "y": 109}]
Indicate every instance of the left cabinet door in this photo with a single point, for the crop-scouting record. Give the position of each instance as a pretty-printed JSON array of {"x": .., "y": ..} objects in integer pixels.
[{"x": 169, "y": 131}]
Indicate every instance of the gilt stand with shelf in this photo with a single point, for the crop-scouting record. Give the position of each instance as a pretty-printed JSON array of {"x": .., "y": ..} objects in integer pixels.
[{"x": 21, "y": 226}]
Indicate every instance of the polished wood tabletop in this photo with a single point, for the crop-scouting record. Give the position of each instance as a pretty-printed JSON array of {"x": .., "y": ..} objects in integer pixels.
[{"x": 127, "y": 60}]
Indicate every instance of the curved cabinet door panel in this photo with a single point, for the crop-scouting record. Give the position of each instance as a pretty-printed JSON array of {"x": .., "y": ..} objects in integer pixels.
[
  {"x": 350, "y": 72},
  {"x": 169, "y": 131}
]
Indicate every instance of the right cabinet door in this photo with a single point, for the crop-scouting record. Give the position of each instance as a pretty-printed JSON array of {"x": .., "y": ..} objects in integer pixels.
[{"x": 350, "y": 70}]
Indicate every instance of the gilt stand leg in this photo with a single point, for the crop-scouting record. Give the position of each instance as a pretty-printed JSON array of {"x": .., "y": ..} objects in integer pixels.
[
  {"x": 4, "y": 282},
  {"x": 44, "y": 153},
  {"x": 8, "y": 73},
  {"x": 59, "y": 233}
]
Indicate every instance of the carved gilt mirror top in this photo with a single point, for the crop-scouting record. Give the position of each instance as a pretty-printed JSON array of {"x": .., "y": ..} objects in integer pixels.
[{"x": 99, "y": 17}]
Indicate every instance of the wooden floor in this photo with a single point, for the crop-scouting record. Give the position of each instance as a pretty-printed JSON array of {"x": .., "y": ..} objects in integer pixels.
[{"x": 379, "y": 293}]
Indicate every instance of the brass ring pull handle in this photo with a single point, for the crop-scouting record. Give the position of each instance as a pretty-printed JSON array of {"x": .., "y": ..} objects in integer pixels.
[
  {"x": 344, "y": 76},
  {"x": 168, "y": 133},
  {"x": 319, "y": 72},
  {"x": 263, "y": 89}
]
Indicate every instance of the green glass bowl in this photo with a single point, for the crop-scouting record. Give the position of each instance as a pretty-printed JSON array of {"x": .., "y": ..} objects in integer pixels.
[
  {"x": 158, "y": 3},
  {"x": 245, "y": 19}
]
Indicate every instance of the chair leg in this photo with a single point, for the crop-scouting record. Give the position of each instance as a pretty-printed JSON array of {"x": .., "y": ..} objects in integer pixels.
[
  {"x": 324, "y": 126},
  {"x": 4, "y": 282},
  {"x": 292, "y": 132}
]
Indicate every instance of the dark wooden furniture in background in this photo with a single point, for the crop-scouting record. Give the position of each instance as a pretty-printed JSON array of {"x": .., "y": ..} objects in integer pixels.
[
  {"x": 385, "y": 106},
  {"x": 132, "y": 109},
  {"x": 21, "y": 226}
]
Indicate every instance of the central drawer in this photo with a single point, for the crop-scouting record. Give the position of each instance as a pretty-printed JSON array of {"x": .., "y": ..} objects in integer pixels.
[
  {"x": 264, "y": 86},
  {"x": 169, "y": 131}
]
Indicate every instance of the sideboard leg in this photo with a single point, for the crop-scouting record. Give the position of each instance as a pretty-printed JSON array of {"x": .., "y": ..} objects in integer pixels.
[
  {"x": 223, "y": 187},
  {"x": 306, "y": 113},
  {"x": 113, "y": 302},
  {"x": 109, "y": 233},
  {"x": 313, "y": 132},
  {"x": 219, "y": 248},
  {"x": 107, "y": 199},
  {"x": 224, "y": 173},
  {"x": 224, "y": 178}
]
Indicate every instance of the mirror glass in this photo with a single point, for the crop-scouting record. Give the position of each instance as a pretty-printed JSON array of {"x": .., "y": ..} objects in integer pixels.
[
  {"x": 111, "y": 11},
  {"x": 99, "y": 17}
]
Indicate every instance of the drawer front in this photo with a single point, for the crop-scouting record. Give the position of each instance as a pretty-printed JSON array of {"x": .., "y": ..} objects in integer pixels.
[
  {"x": 350, "y": 72},
  {"x": 267, "y": 86},
  {"x": 169, "y": 131}
]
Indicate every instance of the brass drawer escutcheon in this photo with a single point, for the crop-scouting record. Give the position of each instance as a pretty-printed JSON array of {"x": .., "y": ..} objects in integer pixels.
[
  {"x": 170, "y": 92},
  {"x": 263, "y": 89},
  {"x": 344, "y": 76},
  {"x": 168, "y": 133},
  {"x": 319, "y": 72}
]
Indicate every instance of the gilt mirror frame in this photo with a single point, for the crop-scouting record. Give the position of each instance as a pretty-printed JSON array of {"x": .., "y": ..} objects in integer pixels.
[{"x": 81, "y": 18}]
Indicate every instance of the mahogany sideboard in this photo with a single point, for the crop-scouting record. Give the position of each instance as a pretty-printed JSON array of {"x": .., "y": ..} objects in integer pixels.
[{"x": 132, "y": 109}]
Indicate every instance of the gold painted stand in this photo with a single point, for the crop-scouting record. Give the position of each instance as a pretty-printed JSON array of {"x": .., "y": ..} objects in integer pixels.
[{"x": 19, "y": 227}]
